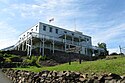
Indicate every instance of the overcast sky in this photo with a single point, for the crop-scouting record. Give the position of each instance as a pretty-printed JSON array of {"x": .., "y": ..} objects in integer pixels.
[{"x": 103, "y": 20}]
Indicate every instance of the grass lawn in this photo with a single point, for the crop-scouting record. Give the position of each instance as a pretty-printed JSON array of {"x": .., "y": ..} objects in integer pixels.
[{"x": 100, "y": 66}]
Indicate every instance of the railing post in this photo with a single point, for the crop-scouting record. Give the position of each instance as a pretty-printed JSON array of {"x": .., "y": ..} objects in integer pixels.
[
  {"x": 43, "y": 46},
  {"x": 53, "y": 45}
]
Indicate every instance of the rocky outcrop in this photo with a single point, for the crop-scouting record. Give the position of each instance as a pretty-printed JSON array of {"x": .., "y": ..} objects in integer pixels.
[{"x": 21, "y": 76}]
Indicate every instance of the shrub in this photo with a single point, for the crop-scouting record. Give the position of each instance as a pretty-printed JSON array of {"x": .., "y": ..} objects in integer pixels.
[
  {"x": 32, "y": 61},
  {"x": 16, "y": 59},
  {"x": 43, "y": 57},
  {"x": 114, "y": 53},
  {"x": 38, "y": 60},
  {"x": 8, "y": 55},
  {"x": 8, "y": 60},
  {"x": 26, "y": 62}
]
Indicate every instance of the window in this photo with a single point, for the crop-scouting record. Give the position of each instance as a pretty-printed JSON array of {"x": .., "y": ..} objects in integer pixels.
[
  {"x": 44, "y": 27},
  {"x": 57, "y": 31},
  {"x": 36, "y": 27},
  {"x": 65, "y": 32},
  {"x": 50, "y": 29},
  {"x": 87, "y": 39},
  {"x": 31, "y": 29}
]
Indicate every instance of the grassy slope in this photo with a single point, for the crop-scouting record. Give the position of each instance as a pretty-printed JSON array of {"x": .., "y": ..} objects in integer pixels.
[{"x": 100, "y": 66}]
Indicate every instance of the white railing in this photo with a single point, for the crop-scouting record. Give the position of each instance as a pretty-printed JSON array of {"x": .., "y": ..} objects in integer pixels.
[{"x": 39, "y": 35}]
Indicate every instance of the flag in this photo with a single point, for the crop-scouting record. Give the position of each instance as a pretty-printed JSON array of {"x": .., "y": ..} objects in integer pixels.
[{"x": 51, "y": 20}]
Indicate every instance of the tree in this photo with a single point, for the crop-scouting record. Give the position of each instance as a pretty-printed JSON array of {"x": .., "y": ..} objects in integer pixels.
[
  {"x": 114, "y": 53},
  {"x": 1, "y": 57},
  {"x": 103, "y": 45}
]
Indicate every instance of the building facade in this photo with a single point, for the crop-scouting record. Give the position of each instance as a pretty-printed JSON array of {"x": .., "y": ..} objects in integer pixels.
[{"x": 43, "y": 37}]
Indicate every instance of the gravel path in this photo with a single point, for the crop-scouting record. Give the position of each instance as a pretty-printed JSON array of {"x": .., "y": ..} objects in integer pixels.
[{"x": 3, "y": 78}]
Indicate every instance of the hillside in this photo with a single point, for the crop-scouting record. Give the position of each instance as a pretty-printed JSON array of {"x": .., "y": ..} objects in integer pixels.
[{"x": 115, "y": 64}]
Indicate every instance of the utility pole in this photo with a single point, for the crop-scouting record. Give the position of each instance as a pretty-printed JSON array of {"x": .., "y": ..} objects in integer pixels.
[{"x": 120, "y": 49}]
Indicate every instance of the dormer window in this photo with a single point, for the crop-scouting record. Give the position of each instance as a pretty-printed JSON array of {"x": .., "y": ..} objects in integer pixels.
[
  {"x": 50, "y": 29},
  {"x": 36, "y": 27},
  {"x": 57, "y": 31},
  {"x": 87, "y": 39},
  {"x": 31, "y": 29},
  {"x": 44, "y": 27}
]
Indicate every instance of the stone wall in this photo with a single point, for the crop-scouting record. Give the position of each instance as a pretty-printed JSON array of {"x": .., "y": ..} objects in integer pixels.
[{"x": 21, "y": 76}]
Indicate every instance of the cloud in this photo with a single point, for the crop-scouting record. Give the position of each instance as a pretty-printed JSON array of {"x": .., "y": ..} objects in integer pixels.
[
  {"x": 111, "y": 50},
  {"x": 7, "y": 42},
  {"x": 92, "y": 18},
  {"x": 8, "y": 35}
]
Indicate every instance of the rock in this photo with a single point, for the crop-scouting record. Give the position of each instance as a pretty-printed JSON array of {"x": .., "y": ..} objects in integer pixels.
[
  {"x": 115, "y": 76},
  {"x": 81, "y": 79},
  {"x": 108, "y": 78},
  {"x": 61, "y": 77}
]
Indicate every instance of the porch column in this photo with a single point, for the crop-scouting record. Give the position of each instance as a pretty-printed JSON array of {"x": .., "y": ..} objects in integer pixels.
[
  {"x": 53, "y": 45},
  {"x": 65, "y": 42},
  {"x": 79, "y": 40},
  {"x": 72, "y": 39},
  {"x": 43, "y": 46},
  {"x": 23, "y": 46},
  {"x": 31, "y": 46},
  {"x": 50, "y": 48},
  {"x": 40, "y": 47}
]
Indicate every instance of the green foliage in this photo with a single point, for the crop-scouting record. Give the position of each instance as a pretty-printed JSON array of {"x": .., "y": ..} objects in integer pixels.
[
  {"x": 38, "y": 60},
  {"x": 16, "y": 59},
  {"x": 43, "y": 57},
  {"x": 1, "y": 57},
  {"x": 32, "y": 61},
  {"x": 27, "y": 61},
  {"x": 103, "y": 45},
  {"x": 100, "y": 66},
  {"x": 8, "y": 55},
  {"x": 8, "y": 60}
]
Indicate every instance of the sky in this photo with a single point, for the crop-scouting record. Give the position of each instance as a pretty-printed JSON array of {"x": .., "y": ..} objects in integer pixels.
[{"x": 103, "y": 20}]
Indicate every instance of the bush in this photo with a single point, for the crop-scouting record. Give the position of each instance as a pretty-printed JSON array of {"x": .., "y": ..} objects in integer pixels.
[
  {"x": 8, "y": 55},
  {"x": 33, "y": 61},
  {"x": 43, "y": 57},
  {"x": 114, "y": 53},
  {"x": 8, "y": 60},
  {"x": 16, "y": 59},
  {"x": 38, "y": 60}
]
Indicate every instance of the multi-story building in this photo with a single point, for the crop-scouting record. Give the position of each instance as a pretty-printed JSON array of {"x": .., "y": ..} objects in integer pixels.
[{"x": 43, "y": 37}]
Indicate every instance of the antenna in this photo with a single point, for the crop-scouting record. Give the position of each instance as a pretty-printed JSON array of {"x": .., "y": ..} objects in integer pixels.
[{"x": 120, "y": 49}]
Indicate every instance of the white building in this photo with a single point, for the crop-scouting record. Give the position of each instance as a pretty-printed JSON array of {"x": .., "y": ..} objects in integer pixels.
[{"x": 43, "y": 37}]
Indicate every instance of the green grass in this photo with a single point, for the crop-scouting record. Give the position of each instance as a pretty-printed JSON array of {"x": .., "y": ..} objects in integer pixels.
[{"x": 100, "y": 66}]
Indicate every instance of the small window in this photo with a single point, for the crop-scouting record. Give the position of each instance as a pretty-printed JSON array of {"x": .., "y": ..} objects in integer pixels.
[
  {"x": 65, "y": 32},
  {"x": 87, "y": 39},
  {"x": 44, "y": 27},
  {"x": 50, "y": 29},
  {"x": 31, "y": 29},
  {"x": 36, "y": 27},
  {"x": 57, "y": 31}
]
